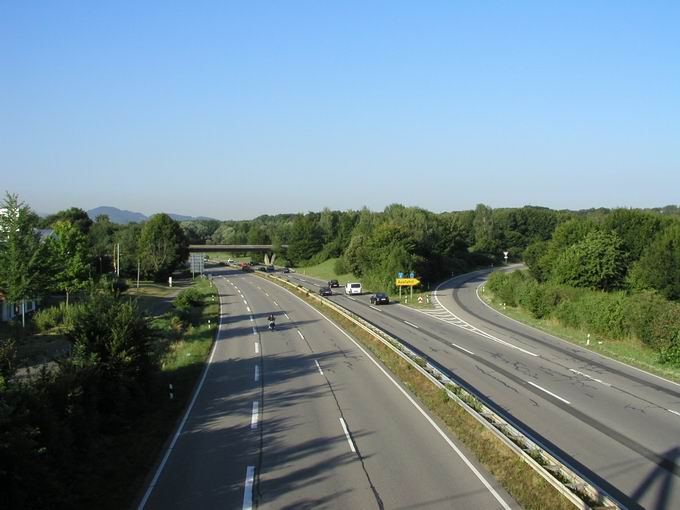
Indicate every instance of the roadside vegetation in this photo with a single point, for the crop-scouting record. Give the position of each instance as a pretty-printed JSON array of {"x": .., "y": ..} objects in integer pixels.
[
  {"x": 528, "y": 488},
  {"x": 327, "y": 270},
  {"x": 617, "y": 325},
  {"x": 85, "y": 402},
  {"x": 617, "y": 279},
  {"x": 93, "y": 423}
]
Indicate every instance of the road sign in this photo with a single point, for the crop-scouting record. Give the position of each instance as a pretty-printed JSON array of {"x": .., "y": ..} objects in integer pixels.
[
  {"x": 400, "y": 275},
  {"x": 407, "y": 282},
  {"x": 411, "y": 275}
]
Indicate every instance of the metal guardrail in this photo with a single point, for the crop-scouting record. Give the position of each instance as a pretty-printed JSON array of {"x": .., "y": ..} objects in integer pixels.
[{"x": 579, "y": 491}]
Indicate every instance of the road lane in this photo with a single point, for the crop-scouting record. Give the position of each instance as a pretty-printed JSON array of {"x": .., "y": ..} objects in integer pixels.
[
  {"x": 273, "y": 428},
  {"x": 406, "y": 462},
  {"x": 617, "y": 432}
]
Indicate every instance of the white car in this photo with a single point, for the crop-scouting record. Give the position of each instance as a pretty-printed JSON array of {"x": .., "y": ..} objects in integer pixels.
[
  {"x": 353, "y": 288},
  {"x": 230, "y": 261}
]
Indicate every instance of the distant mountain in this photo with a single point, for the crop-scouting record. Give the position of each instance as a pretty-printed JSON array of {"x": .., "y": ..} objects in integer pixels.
[{"x": 123, "y": 217}]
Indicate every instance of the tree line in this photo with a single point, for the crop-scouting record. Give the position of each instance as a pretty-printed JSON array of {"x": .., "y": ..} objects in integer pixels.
[
  {"x": 65, "y": 252},
  {"x": 59, "y": 426}
]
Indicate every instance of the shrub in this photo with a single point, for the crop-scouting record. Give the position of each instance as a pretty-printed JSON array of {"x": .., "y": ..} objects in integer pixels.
[
  {"x": 666, "y": 335},
  {"x": 49, "y": 318},
  {"x": 340, "y": 266},
  {"x": 187, "y": 298}
]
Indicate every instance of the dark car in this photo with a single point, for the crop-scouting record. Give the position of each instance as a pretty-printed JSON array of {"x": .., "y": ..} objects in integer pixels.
[
  {"x": 333, "y": 284},
  {"x": 262, "y": 268},
  {"x": 286, "y": 269},
  {"x": 380, "y": 299},
  {"x": 271, "y": 269},
  {"x": 325, "y": 291}
]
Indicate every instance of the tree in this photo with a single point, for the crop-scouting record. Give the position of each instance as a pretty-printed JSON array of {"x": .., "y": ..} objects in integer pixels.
[
  {"x": 75, "y": 216},
  {"x": 597, "y": 262},
  {"x": 128, "y": 236},
  {"x": 485, "y": 230},
  {"x": 306, "y": 239},
  {"x": 659, "y": 266},
  {"x": 101, "y": 242},
  {"x": 636, "y": 229},
  {"x": 23, "y": 258},
  {"x": 69, "y": 251},
  {"x": 163, "y": 246}
]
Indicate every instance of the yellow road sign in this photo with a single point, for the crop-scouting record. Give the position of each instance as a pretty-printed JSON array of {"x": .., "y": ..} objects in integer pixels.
[{"x": 407, "y": 282}]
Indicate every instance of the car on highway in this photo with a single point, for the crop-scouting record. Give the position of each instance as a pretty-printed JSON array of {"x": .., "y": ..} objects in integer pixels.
[
  {"x": 286, "y": 269},
  {"x": 380, "y": 298},
  {"x": 353, "y": 288},
  {"x": 325, "y": 291},
  {"x": 262, "y": 268},
  {"x": 271, "y": 269},
  {"x": 333, "y": 284},
  {"x": 230, "y": 261}
]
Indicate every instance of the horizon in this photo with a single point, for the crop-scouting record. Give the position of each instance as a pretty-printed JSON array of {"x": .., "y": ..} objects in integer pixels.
[{"x": 235, "y": 111}]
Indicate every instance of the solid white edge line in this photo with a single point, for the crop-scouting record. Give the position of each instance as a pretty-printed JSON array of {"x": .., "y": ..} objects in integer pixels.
[
  {"x": 589, "y": 377},
  {"x": 301, "y": 335},
  {"x": 562, "y": 339},
  {"x": 321, "y": 371},
  {"x": 248, "y": 488},
  {"x": 256, "y": 415},
  {"x": 427, "y": 417},
  {"x": 549, "y": 393},
  {"x": 257, "y": 373},
  {"x": 349, "y": 438},
  {"x": 178, "y": 432},
  {"x": 411, "y": 324},
  {"x": 674, "y": 412},
  {"x": 461, "y": 348},
  {"x": 257, "y": 347}
]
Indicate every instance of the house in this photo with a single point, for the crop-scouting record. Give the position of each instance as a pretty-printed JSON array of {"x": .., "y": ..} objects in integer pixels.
[{"x": 9, "y": 311}]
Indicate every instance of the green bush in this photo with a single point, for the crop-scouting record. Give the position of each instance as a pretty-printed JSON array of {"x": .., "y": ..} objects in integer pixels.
[
  {"x": 666, "y": 335},
  {"x": 49, "y": 318},
  {"x": 187, "y": 298},
  {"x": 340, "y": 266}
]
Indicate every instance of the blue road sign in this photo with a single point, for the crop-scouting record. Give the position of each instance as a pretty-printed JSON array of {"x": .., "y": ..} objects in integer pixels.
[
  {"x": 400, "y": 275},
  {"x": 411, "y": 274}
]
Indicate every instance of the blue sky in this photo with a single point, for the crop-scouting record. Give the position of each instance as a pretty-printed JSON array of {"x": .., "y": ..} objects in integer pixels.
[{"x": 235, "y": 109}]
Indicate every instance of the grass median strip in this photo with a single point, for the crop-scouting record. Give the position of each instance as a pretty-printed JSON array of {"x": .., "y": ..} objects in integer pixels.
[{"x": 528, "y": 488}]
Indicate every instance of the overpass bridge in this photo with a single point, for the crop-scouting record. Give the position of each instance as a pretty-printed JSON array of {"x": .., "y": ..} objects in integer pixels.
[{"x": 236, "y": 248}]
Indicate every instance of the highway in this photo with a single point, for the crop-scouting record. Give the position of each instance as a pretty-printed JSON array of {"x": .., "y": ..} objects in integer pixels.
[
  {"x": 614, "y": 424},
  {"x": 302, "y": 417}
]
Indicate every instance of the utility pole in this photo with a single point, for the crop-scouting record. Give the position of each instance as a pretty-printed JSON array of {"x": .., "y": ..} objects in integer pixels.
[
  {"x": 138, "y": 272},
  {"x": 118, "y": 261}
]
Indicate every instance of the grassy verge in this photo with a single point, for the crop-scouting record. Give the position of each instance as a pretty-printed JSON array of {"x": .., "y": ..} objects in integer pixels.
[
  {"x": 326, "y": 271},
  {"x": 628, "y": 350},
  {"x": 528, "y": 488},
  {"x": 121, "y": 472}
]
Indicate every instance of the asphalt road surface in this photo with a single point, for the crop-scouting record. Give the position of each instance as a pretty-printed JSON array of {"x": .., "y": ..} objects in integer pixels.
[
  {"x": 614, "y": 424},
  {"x": 302, "y": 417}
]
